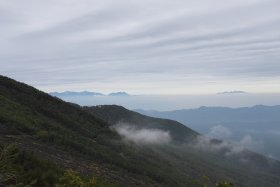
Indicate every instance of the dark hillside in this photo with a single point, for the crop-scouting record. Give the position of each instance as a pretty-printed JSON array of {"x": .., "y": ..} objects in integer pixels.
[
  {"x": 114, "y": 114},
  {"x": 244, "y": 164},
  {"x": 45, "y": 141}
]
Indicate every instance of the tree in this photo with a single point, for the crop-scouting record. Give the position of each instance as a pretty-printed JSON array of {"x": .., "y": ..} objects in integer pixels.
[
  {"x": 7, "y": 174},
  {"x": 70, "y": 179},
  {"x": 224, "y": 184}
]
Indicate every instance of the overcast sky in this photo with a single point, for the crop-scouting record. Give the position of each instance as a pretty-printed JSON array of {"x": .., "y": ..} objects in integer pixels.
[{"x": 142, "y": 47}]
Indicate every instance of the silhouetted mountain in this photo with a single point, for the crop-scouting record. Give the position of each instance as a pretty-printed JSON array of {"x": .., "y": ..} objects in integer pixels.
[
  {"x": 74, "y": 94},
  {"x": 232, "y": 92},
  {"x": 114, "y": 114},
  {"x": 189, "y": 145},
  {"x": 203, "y": 115},
  {"x": 259, "y": 122},
  {"x": 85, "y": 93},
  {"x": 119, "y": 94},
  {"x": 52, "y": 136}
]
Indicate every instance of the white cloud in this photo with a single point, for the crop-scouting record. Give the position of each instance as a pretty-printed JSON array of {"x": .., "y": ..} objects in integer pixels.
[
  {"x": 143, "y": 135},
  {"x": 230, "y": 146},
  {"x": 249, "y": 142},
  {"x": 219, "y": 132}
]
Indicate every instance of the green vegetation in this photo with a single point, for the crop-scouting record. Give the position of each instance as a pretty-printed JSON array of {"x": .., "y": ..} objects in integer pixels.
[
  {"x": 224, "y": 184},
  {"x": 48, "y": 142},
  {"x": 113, "y": 114},
  {"x": 71, "y": 178},
  {"x": 21, "y": 169},
  {"x": 7, "y": 173}
]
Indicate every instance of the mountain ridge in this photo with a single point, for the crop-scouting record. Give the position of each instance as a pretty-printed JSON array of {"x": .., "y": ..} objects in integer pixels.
[
  {"x": 267, "y": 112},
  {"x": 82, "y": 139},
  {"x": 85, "y": 93}
]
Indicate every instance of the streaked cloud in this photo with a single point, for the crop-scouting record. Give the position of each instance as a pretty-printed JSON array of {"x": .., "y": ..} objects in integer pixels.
[{"x": 167, "y": 47}]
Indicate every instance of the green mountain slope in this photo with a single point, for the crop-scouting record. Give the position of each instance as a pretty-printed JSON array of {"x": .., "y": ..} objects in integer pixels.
[
  {"x": 244, "y": 167},
  {"x": 47, "y": 136},
  {"x": 116, "y": 114}
]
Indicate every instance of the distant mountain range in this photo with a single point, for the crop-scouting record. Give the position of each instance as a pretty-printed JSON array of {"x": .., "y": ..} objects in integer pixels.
[
  {"x": 45, "y": 141},
  {"x": 232, "y": 92},
  {"x": 118, "y": 94},
  {"x": 215, "y": 115},
  {"x": 85, "y": 93},
  {"x": 260, "y": 123}
]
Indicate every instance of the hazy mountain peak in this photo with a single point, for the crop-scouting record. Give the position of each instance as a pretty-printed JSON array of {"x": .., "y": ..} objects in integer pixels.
[
  {"x": 85, "y": 93},
  {"x": 73, "y": 93},
  {"x": 118, "y": 94},
  {"x": 232, "y": 92}
]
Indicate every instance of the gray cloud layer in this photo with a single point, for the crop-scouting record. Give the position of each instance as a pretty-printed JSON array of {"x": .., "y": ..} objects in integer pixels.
[{"x": 191, "y": 45}]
